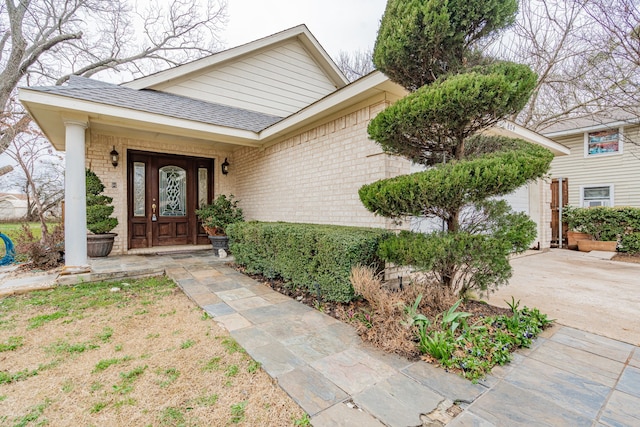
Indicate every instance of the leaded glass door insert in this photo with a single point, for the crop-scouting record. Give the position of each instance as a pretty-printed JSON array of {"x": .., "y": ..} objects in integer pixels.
[
  {"x": 173, "y": 191},
  {"x": 203, "y": 187},
  {"x": 139, "y": 189}
]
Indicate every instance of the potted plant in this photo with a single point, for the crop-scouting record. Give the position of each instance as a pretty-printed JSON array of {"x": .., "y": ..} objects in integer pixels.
[
  {"x": 99, "y": 220},
  {"x": 602, "y": 225},
  {"x": 215, "y": 218},
  {"x": 574, "y": 218}
]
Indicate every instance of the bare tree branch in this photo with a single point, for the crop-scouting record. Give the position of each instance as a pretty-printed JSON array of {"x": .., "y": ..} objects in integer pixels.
[
  {"x": 42, "y": 178},
  {"x": 584, "y": 53},
  {"x": 46, "y": 41},
  {"x": 355, "y": 65}
]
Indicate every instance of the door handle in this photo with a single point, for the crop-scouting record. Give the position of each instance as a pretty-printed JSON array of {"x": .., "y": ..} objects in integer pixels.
[{"x": 153, "y": 213}]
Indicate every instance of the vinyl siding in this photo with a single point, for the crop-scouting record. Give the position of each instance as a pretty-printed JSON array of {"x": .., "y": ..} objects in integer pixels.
[
  {"x": 620, "y": 170},
  {"x": 279, "y": 81}
]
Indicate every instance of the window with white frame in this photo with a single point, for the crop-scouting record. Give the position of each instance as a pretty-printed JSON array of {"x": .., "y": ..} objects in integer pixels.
[
  {"x": 596, "y": 195},
  {"x": 603, "y": 142}
]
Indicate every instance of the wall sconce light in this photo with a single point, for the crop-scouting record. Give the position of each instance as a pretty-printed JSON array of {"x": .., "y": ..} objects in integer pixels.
[
  {"x": 225, "y": 167},
  {"x": 114, "y": 157}
]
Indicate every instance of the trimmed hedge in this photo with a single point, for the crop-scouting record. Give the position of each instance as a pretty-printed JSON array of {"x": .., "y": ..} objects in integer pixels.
[
  {"x": 605, "y": 223},
  {"x": 630, "y": 243},
  {"x": 306, "y": 254}
]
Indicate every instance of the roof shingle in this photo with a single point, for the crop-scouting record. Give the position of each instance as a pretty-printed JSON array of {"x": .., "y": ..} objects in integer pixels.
[{"x": 166, "y": 104}]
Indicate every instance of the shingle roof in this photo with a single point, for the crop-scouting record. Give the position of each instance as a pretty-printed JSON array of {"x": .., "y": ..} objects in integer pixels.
[{"x": 166, "y": 104}]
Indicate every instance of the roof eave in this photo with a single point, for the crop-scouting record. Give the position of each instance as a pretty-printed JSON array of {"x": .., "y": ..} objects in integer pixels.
[
  {"x": 513, "y": 130},
  {"x": 591, "y": 128}
]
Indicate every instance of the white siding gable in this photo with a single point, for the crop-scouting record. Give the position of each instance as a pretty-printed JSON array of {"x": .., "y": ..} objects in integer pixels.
[{"x": 279, "y": 80}]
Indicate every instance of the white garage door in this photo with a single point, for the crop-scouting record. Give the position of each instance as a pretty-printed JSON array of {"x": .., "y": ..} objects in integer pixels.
[{"x": 519, "y": 199}]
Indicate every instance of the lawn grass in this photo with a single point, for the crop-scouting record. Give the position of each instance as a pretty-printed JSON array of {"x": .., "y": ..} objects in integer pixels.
[
  {"x": 13, "y": 229},
  {"x": 143, "y": 355}
]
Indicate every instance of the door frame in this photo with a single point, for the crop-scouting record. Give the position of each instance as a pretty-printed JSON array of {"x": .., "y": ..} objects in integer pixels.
[
  {"x": 556, "y": 241},
  {"x": 143, "y": 232}
]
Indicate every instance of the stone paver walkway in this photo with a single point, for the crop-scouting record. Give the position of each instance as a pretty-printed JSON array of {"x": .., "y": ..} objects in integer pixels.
[{"x": 568, "y": 378}]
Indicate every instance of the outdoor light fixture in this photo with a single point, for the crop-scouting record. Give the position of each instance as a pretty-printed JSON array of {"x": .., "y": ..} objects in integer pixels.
[
  {"x": 114, "y": 157},
  {"x": 225, "y": 167}
]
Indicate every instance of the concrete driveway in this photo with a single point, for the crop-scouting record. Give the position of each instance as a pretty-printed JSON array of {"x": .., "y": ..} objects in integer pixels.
[{"x": 581, "y": 290}]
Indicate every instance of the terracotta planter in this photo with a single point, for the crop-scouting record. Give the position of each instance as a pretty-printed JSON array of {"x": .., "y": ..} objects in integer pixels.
[
  {"x": 100, "y": 245},
  {"x": 219, "y": 242},
  {"x": 595, "y": 245},
  {"x": 574, "y": 236}
]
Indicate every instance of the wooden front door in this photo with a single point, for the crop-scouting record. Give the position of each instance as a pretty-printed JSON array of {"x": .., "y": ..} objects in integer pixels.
[
  {"x": 555, "y": 212},
  {"x": 164, "y": 192}
]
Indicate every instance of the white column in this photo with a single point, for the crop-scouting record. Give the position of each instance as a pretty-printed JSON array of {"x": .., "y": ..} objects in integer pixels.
[{"x": 75, "y": 198}]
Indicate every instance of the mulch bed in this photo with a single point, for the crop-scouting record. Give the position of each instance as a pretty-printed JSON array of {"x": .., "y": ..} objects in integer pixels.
[
  {"x": 635, "y": 259},
  {"x": 478, "y": 309}
]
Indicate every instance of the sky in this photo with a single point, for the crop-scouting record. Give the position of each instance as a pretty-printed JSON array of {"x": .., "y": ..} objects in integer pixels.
[{"x": 338, "y": 25}]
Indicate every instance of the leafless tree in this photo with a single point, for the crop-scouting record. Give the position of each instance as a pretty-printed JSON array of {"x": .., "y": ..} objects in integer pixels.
[
  {"x": 46, "y": 41},
  {"x": 619, "y": 24},
  {"x": 356, "y": 64},
  {"x": 584, "y": 62},
  {"x": 39, "y": 175}
]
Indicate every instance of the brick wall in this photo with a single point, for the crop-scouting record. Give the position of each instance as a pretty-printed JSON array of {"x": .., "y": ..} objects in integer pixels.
[
  {"x": 310, "y": 177},
  {"x": 314, "y": 176}
]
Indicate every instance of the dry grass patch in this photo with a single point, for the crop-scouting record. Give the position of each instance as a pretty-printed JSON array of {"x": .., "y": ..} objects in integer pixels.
[
  {"x": 141, "y": 355},
  {"x": 385, "y": 322}
]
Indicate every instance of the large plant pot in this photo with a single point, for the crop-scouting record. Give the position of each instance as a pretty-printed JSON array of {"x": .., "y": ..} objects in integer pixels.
[
  {"x": 100, "y": 245},
  {"x": 596, "y": 245},
  {"x": 219, "y": 242},
  {"x": 574, "y": 236}
]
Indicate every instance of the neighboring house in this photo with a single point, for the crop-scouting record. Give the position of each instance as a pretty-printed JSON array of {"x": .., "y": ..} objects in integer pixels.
[
  {"x": 603, "y": 168},
  {"x": 13, "y": 207},
  {"x": 277, "y": 111}
]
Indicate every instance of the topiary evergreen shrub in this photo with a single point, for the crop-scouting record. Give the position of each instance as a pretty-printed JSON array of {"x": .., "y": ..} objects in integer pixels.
[
  {"x": 99, "y": 208},
  {"x": 435, "y": 50},
  {"x": 307, "y": 254}
]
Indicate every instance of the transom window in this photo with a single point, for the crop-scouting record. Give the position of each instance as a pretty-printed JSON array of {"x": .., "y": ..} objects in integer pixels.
[
  {"x": 596, "y": 195},
  {"x": 603, "y": 142}
]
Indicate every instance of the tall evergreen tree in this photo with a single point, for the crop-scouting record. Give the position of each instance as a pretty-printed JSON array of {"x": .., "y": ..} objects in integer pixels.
[{"x": 429, "y": 47}]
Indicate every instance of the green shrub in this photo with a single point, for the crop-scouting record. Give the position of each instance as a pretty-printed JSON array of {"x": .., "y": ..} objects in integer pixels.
[
  {"x": 630, "y": 243},
  {"x": 603, "y": 223},
  {"x": 306, "y": 254},
  {"x": 468, "y": 261},
  {"x": 457, "y": 91},
  {"x": 447, "y": 188},
  {"x": 217, "y": 216},
  {"x": 99, "y": 207}
]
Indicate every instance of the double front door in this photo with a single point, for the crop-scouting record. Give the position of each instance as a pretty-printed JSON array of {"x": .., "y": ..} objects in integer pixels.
[{"x": 164, "y": 192}]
